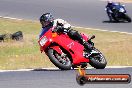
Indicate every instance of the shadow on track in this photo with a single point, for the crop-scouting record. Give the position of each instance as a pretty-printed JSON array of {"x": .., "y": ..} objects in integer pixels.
[
  {"x": 50, "y": 69},
  {"x": 114, "y": 22},
  {"x": 44, "y": 69}
]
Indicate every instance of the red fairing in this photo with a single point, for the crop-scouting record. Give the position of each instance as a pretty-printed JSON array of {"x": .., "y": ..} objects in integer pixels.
[
  {"x": 60, "y": 42},
  {"x": 57, "y": 48},
  {"x": 85, "y": 37}
]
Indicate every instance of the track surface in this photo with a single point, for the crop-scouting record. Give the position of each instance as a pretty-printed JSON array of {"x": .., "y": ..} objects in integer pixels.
[
  {"x": 86, "y": 13},
  {"x": 42, "y": 78}
]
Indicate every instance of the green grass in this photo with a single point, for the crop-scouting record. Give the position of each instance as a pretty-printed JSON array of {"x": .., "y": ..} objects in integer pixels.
[
  {"x": 124, "y": 1},
  {"x": 25, "y": 54},
  {"x": 127, "y": 0}
]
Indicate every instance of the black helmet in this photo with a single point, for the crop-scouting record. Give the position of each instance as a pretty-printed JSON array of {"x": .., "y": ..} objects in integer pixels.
[
  {"x": 46, "y": 19},
  {"x": 110, "y": 2}
]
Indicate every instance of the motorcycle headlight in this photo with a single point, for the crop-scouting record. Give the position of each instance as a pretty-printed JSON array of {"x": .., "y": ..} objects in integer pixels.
[
  {"x": 43, "y": 41},
  {"x": 121, "y": 10}
]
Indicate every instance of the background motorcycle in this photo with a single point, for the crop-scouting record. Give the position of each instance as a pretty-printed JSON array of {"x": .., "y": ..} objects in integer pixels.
[
  {"x": 65, "y": 53},
  {"x": 119, "y": 13}
]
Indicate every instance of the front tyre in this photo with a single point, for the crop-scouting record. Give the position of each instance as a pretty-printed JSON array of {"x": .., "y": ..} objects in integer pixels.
[
  {"x": 98, "y": 60},
  {"x": 62, "y": 62}
]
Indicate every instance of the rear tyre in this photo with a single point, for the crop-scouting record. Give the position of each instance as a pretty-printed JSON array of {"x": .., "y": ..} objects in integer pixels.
[
  {"x": 116, "y": 19},
  {"x": 98, "y": 60},
  {"x": 127, "y": 18},
  {"x": 63, "y": 63}
]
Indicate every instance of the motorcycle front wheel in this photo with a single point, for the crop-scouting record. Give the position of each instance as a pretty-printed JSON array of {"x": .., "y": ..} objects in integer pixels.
[
  {"x": 63, "y": 63},
  {"x": 98, "y": 60}
]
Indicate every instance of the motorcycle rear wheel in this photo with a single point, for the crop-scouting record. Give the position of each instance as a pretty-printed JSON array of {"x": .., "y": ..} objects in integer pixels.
[
  {"x": 127, "y": 18},
  {"x": 58, "y": 61},
  {"x": 98, "y": 60}
]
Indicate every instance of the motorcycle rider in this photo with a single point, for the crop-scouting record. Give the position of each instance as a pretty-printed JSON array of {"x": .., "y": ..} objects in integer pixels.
[
  {"x": 109, "y": 9},
  {"x": 47, "y": 21}
]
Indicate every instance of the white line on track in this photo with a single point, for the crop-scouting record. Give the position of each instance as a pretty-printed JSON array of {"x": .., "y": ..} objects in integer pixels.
[
  {"x": 103, "y": 30},
  {"x": 74, "y": 26},
  {"x": 10, "y": 18},
  {"x": 54, "y": 69}
]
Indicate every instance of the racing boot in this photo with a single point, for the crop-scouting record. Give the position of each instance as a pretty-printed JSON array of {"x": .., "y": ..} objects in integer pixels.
[
  {"x": 89, "y": 50},
  {"x": 83, "y": 42},
  {"x": 110, "y": 17},
  {"x": 87, "y": 46}
]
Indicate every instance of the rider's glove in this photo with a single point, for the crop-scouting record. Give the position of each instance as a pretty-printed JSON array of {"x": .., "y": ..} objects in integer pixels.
[{"x": 59, "y": 29}]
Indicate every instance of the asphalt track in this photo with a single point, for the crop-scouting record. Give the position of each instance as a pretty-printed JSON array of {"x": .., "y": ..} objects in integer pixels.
[
  {"x": 85, "y": 13},
  {"x": 42, "y": 78}
]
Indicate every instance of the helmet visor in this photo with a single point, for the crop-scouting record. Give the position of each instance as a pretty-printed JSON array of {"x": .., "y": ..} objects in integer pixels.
[{"x": 44, "y": 23}]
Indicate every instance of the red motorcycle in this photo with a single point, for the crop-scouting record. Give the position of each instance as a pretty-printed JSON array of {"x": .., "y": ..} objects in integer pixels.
[{"x": 66, "y": 53}]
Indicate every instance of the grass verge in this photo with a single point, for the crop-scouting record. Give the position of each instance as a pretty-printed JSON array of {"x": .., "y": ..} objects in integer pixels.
[
  {"x": 124, "y": 1},
  {"x": 25, "y": 54}
]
